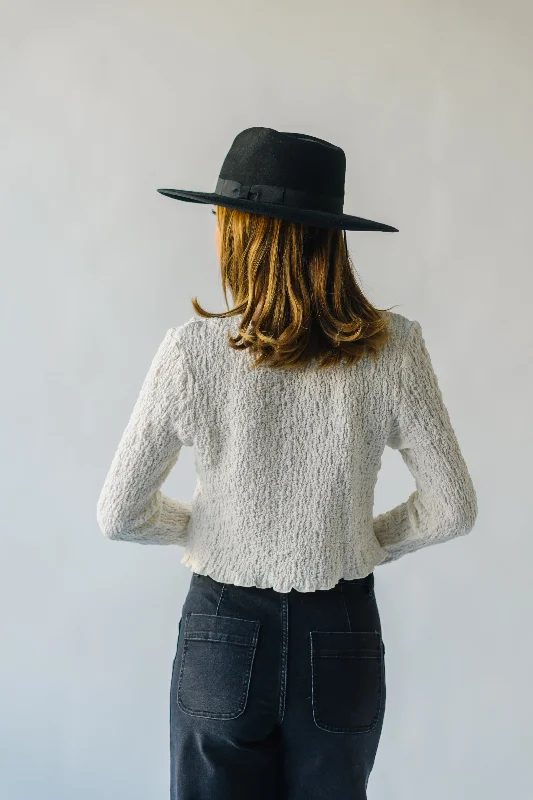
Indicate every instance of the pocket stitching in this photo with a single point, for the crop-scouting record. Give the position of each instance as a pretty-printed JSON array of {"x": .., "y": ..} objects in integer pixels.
[
  {"x": 232, "y": 638},
  {"x": 247, "y": 675}
]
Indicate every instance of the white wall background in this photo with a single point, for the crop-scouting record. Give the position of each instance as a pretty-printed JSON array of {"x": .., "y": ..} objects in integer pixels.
[{"x": 101, "y": 104}]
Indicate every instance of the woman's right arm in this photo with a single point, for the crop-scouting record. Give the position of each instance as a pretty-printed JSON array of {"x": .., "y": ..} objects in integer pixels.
[{"x": 444, "y": 504}]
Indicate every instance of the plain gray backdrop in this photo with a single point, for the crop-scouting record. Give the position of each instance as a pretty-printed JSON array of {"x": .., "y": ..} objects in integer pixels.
[{"x": 101, "y": 104}]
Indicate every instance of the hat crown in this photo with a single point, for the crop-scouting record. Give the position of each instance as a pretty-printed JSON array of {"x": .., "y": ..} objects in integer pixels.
[
  {"x": 290, "y": 176},
  {"x": 293, "y": 160}
]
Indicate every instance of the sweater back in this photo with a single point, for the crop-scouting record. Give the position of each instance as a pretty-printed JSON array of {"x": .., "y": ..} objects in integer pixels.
[{"x": 286, "y": 461}]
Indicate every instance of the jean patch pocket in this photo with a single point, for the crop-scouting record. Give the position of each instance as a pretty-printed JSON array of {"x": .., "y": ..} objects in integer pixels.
[
  {"x": 348, "y": 677},
  {"x": 216, "y": 664}
]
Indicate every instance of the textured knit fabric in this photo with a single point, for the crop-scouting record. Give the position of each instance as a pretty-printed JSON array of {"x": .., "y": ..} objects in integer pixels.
[{"x": 286, "y": 461}]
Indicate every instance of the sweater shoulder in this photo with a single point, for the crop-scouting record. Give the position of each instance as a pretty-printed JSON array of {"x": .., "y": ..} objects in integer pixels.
[
  {"x": 190, "y": 333},
  {"x": 400, "y": 328},
  {"x": 200, "y": 340},
  {"x": 400, "y": 324},
  {"x": 186, "y": 329}
]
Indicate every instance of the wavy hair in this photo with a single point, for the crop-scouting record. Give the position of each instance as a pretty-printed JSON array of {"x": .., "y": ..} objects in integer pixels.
[{"x": 295, "y": 289}]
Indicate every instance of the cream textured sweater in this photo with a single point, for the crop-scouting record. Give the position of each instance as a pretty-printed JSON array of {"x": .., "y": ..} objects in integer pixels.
[{"x": 286, "y": 461}]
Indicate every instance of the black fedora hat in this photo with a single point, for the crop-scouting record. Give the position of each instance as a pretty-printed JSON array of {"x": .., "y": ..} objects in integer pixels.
[{"x": 292, "y": 176}]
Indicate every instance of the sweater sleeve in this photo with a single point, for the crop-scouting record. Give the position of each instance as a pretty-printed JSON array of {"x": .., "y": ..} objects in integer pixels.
[
  {"x": 131, "y": 505},
  {"x": 444, "y": 504}
]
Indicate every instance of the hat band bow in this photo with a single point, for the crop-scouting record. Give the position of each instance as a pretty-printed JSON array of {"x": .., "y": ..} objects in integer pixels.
[{"x": 257, "y": 191}]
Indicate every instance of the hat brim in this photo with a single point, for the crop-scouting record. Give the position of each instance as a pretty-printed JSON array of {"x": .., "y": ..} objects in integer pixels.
[{"x": 321, "y": 219}]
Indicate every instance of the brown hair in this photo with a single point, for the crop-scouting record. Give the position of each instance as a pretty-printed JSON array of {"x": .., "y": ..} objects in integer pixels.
[{"x": 295, "y": 287}]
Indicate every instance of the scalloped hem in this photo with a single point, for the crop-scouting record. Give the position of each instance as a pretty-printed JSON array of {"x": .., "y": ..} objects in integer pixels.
[{"x": 248, "y": 579}]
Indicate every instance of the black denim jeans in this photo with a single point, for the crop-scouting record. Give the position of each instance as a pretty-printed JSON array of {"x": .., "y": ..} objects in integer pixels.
[{"x": 276, "y": 696}]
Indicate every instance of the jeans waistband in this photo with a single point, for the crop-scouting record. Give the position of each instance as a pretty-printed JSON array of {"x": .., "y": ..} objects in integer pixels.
[{"x": 368, "y": 580}]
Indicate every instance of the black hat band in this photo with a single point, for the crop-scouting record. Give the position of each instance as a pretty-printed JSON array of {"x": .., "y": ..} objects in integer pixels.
[{"x": 266, "y": 193}]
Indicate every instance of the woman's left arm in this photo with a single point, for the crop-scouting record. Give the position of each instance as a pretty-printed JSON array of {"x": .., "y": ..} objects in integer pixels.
[{"x": 131, "y": 505}]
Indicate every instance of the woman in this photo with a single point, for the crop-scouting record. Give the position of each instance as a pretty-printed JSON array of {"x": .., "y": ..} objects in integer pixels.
[{"x": 289, "y": 398}]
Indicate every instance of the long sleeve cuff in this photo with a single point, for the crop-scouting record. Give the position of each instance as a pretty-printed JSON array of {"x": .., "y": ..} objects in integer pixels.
[
  {"x": 400, "y": 531},
  {"x": 165, "y": 523}
]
